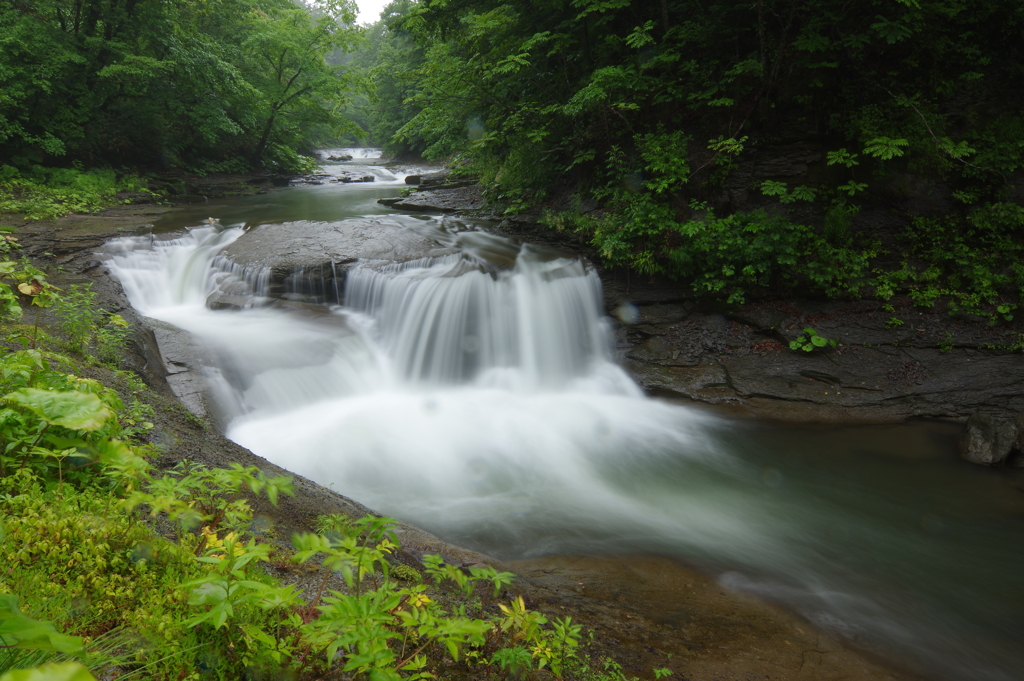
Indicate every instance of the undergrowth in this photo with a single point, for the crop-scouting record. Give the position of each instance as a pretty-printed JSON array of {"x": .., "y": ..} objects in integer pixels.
[{"x": 43, "y": 193}]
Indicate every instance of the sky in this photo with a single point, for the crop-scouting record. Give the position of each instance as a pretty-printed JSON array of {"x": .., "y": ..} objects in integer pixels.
[{"x": 369, "y": 10}]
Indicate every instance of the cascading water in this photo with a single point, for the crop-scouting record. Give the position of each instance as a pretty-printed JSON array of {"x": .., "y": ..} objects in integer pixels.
[{"x": 481, "y": 401}]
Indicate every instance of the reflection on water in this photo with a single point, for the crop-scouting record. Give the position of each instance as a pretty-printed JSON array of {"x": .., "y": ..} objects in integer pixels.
[
  {"x": 325, "y": 202},
  {"x": 482, "y": 402}
]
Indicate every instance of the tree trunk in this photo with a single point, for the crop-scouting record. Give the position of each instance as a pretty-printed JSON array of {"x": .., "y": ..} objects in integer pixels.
[{"x": 257, "y": 155}]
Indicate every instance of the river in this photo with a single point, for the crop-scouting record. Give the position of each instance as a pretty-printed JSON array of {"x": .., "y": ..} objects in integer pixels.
[{"x": 477, "y": 395}]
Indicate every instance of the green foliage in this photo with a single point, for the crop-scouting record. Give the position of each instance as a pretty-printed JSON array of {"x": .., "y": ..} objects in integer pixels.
[
  {"x": 218, "y": 85},
  {"x": 67, "y": 671},
  {"x": 43, "y": 193},
  {"x": 610, "y": 97},
  {"x": 886, "y": 148},
  {"x": 194, "y": 496},
  {"x": 975, "y": 265},
  {"x": 19, "y": 632},
  {"x": 811, "y": 340},
  {"x": 88, "y": 327},
  {"x": 785, "y": 194},
  {"x": 22, "y": 632}
]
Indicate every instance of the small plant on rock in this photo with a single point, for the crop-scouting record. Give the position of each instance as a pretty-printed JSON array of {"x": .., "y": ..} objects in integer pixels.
[{"x": 811, "y": 340}]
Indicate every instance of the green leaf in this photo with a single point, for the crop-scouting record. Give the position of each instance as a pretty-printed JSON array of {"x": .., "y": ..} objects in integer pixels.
[
  {"x": 65, "y": 671},
  {"x": 254, "y": 632},
  {"x": 73, "y": 409},
  {"x": 19, "y": 631},
  {"x": 886, "y": 148}
]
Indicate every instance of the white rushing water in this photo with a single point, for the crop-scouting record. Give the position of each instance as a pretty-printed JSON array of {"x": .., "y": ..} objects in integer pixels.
[{"x": 485, "y": 404}]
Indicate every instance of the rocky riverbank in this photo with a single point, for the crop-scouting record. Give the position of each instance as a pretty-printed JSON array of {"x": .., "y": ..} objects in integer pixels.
[{"x": 708, "y": 633}]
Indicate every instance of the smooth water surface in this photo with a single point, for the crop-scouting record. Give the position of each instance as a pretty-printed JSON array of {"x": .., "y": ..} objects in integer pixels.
[
  {"x": 315, "y": 202},
  {"x": 477, "y": 395}
]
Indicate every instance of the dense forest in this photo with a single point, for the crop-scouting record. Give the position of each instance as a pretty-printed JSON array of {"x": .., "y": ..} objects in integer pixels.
[
  {"x": 744, "y": 147},
  {"x": 741, "y": 146},
  {"x": 209, "y": 84}
]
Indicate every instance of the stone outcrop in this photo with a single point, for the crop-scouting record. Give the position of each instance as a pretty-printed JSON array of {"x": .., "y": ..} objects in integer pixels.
[
  {"x": 987, "y": 439},
  {"x": 309, "y": 259},
  {"x": 930, "y": 365},
  {"x": 327, "y": 178},
  {"x": 462, "y": 197},
  {"x": 428, "y": 179}
]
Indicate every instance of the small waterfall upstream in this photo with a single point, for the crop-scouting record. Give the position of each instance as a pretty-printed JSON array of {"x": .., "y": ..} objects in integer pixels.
[{"x": 483, "y": 402}]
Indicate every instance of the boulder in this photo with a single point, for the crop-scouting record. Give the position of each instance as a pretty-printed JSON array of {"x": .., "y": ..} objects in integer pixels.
[
  {"x": 459, "y": 197},
  {"x": 435, "y": 178},
  {"x": 307, "y": 260},
  {"x": 987, "y": 439}
]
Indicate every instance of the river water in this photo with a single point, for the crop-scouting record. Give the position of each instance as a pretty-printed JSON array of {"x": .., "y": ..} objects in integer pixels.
[{"x": 477, "y": 396}]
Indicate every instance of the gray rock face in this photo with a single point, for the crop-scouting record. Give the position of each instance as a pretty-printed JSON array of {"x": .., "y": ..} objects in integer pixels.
[
  {"x": 300, "y": 244},
  {"x": 465, "y": 197},
  {"x": 987, "y": 439},
  {"x": 307, "y": 260},
  {"x": 323, "y": 178},
  {"x": 930, "y": 365},
  {"x": 427, "y": 179}
]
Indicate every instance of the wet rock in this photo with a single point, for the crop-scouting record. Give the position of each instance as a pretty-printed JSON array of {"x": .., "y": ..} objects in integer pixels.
[
  {"x": 310, "y": 258},
  {"x": 301, "y": 244},
  {"x": 354, "y": 177},
  {"x": 340, "y": 157},
  {"x": 440, "y": 177},
  {"x": 929, "y": 366},
  {"x": 435, "y": 178},
  {"x": 987, "y": 439},
  {"x": 461, "y": 198},
  {"x": 180, "y": 358}
]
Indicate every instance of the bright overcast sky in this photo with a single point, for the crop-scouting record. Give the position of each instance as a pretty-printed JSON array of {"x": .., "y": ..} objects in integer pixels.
[{"x": 369, "y": 10}]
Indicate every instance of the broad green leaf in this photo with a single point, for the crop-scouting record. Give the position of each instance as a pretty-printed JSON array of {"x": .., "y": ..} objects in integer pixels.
[
  {"x": 72, "y": 409},
  {"x": 65, "y": 671},
  {"x": 20, "y": 631}
]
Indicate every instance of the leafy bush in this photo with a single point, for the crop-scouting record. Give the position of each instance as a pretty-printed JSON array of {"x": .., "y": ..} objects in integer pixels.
[
  {"x": 88, "y": 327},
  {"x": 45, "y": 193}
]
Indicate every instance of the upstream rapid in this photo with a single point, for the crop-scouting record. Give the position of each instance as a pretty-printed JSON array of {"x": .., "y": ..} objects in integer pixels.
[{"x": 476, "y": 394}]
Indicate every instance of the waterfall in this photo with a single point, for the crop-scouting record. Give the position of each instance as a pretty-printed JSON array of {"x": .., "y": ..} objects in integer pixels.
[
  {"x": 450, "y": 321},
  {"x": 477, "y": 395}
]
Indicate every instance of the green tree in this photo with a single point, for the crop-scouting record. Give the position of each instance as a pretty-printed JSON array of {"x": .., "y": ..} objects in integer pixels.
[{"x": 193, "y": 82}]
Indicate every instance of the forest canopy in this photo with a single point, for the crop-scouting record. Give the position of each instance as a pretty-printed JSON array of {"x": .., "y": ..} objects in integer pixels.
[
  {"x": 205, "y": 84},
  {"x": 737, "y": 144}
]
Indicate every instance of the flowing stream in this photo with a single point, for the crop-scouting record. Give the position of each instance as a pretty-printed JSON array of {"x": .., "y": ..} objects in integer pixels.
[{"x": 477, "y": 395}]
